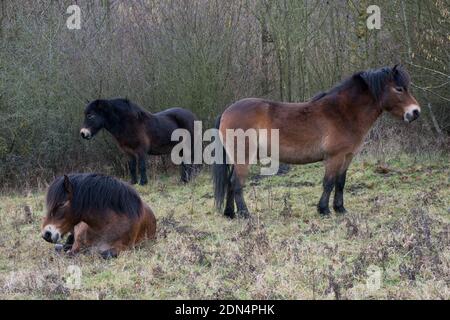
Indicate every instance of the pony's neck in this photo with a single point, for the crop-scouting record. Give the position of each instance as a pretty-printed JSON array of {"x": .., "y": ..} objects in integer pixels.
[
  {"x": 117, "y": 124},
  {"x": 113, "y": 127},
  {"x": 361, "y": 111}
]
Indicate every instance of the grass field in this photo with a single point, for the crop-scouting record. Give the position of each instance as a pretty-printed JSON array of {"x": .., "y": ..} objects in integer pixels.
[{"x": 397, "y": 230}]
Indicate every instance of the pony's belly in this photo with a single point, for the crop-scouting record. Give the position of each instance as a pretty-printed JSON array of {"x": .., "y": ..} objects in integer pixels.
[
  {"x": 160, "y": 150},
  {"x": 300, "y": 155}
]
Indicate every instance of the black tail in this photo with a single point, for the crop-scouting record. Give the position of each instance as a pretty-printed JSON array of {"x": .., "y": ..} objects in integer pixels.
[{"x": 221, "y": 175}]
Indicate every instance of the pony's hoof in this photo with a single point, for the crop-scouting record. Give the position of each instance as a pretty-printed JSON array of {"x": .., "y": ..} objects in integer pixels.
[
  {"x": 143, "y": 182},
  {"x": 59, "y": 248},
  {"x": 229, "y": 213},
  {"x": 133, "y": 182},
  {"x": 244, "y": 214},
  {"x": 324, "y": 211},
  {"x": 108, "y": 254},
  {"x": 340, "y": 210}
]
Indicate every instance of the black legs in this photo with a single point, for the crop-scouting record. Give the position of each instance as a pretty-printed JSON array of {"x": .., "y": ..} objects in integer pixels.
[
  {"x": 338, "y": 203},
  {"x": 132, "y": 167},
  {"x": 235, "y": 194},
  {"x": 67, "y": 246},
  {"x": 186, "y": 172},
  {"x": 142, "y": 170},
  {"x": 328, "y": 185},
  {"x": 240, "y": 202},
  {"x": 140, "y": 163},
  {"x": 229, "y": 207},
  {"x": 337, "y": 181}
]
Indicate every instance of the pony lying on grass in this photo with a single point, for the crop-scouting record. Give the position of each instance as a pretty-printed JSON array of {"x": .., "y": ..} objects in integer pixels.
[{"x": 101, "y": 213}]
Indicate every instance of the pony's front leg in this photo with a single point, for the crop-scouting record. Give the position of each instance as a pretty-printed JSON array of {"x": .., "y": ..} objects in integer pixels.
[
  {"x": 142, "y": 170},
  {"x": 132, "y": 167},
  {"x": 67, "y": 245},
  {"x": 338, "y": 204},
  {"x": 80, "y": 238},
  {"x": 333, "y": 166},
  {"x": 328, "y": 185}
]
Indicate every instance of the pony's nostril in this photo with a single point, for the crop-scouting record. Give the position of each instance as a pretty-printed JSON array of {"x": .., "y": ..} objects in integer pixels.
[
  {"x": 416, "y": 114},
  {"x": 47, "y": 235}
]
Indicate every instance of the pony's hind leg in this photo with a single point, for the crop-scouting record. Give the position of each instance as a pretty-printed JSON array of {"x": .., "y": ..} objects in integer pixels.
[
  {"x": 237, "y": 182},
  {"x": 229, "y": 206},
  {"x": 142, "y": 169},
  {"x": 186, "y": 172},
  {"x": 132, "y": 167},
  {"x": 109, "y": 253}
]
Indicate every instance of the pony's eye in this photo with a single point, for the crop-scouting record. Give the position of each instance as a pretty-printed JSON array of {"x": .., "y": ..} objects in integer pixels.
[
  {"x": 59, "y": 212},
  {"x": 399, "y": 89},
  {"x": 90, "y": 116}
]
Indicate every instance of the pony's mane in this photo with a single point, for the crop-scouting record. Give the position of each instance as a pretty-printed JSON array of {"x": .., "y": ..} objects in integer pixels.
[
  {"x": 96, "y": 193},
  {"x": 122, "y": 106},
  {"x": 375, "y": 80}
]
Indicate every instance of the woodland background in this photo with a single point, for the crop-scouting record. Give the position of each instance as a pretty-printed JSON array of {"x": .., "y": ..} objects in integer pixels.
[{"x": 203, "y": 55}]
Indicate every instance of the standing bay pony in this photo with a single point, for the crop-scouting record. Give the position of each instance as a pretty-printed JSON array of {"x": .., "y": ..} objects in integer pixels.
[
  {"x": 138, "y": 132},
  {"x": 329, "y": 128},
  {"x": 99, "y": 212}
]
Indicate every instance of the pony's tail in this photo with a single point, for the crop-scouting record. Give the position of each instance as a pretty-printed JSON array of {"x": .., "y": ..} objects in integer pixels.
[{"x": 221, "y": 174}]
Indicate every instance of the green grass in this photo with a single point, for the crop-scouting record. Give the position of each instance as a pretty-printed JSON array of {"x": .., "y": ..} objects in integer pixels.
[{"x": 398, "y": 221}]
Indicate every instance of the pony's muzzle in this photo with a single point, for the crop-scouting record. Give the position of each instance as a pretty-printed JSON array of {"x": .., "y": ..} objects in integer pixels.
[
  {"x": 85, "y": 133},
  {"x": 412, "y": 113},
  {"x": 51, "y": 235}
]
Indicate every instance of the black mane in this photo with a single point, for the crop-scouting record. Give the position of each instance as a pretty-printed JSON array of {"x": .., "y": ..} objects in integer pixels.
[
  {"x": 374, "y": 80},
  {"x": 95, "y": 192},
  {"x": 126, "y": 106},
  {"x": 118, "y": 107}
]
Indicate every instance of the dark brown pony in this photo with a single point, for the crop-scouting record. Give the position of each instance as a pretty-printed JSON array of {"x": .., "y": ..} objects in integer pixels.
[
  {"x": 99, "y": 212},
  {"x": 138, "y": 132},
  {"x": 329, "y": 128}
]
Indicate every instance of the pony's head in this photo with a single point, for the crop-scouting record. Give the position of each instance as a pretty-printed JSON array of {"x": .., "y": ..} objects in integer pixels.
[
  {"x": 59, "y": 219},
  {"x": 95, "y": 118},
  {"x": 390, "y": 87}
]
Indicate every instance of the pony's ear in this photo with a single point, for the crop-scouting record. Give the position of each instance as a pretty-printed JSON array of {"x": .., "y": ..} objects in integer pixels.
[
  {"x": 396, "y": 68},
  {"x": 68, "y": 187}
]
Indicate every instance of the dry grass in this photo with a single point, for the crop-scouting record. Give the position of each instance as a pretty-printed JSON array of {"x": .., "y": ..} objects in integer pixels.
[{"x": 398, "y": 221}]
